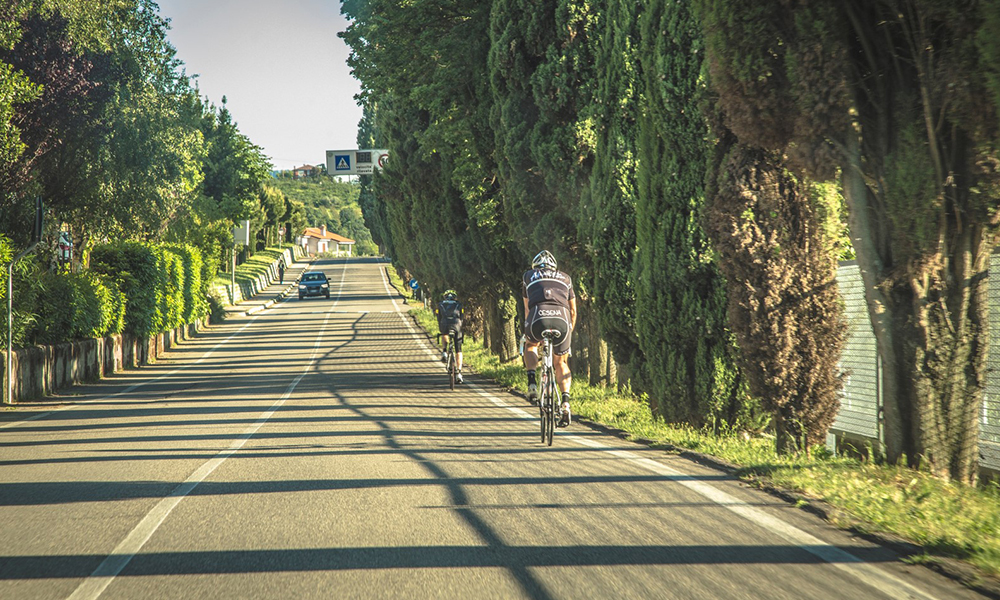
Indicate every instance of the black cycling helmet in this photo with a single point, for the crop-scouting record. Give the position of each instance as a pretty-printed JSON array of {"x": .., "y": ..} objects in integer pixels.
[{"x": 544, "y": 260}]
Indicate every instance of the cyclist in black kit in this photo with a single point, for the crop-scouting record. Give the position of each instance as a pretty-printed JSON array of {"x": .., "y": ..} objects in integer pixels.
[
  {"x": 549, "y": 303},
  {"x": 449, "y": 314}
]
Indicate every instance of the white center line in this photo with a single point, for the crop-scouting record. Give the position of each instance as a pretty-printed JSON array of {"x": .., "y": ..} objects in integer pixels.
[{"x": 92, "y": 587}]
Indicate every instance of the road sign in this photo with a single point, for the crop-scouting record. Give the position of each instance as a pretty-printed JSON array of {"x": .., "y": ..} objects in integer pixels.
[
  {"x": 414, "y": 285},
  {"x": 241, "y": 233},
  {"x": 341, "y": 163},
  {"x": 355, "y": 162}
]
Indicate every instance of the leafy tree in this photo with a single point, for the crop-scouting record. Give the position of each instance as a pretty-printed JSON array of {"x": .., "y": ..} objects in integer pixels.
[
  {"x": 899, "y": 99},
  {"x": 15, "y": 87},
  {"x": 54, "y": 127},
  {"x": 783, "y": 302}
]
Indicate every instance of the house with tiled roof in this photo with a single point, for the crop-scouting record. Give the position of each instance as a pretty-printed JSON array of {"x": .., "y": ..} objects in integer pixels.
[
  {"x": 304, "y": 171},
  {"x": 317, "y": 240}
]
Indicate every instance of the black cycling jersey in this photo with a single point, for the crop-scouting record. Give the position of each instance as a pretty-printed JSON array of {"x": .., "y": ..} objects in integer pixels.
[
  {"x": 549, "y": 293},
  {"x": 450, "y": 321},
  {"x": 547, "y": 286},
  {"x": 449, "y": 310}
]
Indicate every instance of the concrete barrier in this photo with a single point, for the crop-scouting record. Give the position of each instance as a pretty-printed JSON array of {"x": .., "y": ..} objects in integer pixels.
[{"x": 41, "y": 370}]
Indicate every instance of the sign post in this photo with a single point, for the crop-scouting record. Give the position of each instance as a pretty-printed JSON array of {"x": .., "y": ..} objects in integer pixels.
[
  {"x": 241, "y": 235},
  {"x": 36, "y": 236}
]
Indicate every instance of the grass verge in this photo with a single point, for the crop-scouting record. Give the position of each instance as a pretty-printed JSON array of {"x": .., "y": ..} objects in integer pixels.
[{"x": 948, "y": 519}]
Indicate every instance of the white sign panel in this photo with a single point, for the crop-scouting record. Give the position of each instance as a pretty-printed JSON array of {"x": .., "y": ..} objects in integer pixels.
[
  {"x": 241, "y": 233},
  {"x": 355, "y": 162}
]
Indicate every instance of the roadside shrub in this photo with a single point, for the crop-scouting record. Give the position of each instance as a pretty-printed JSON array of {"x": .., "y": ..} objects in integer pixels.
[
  {"x": 76, "y": 306},
  {"x": 171, "y": 296},
  {"x": 194, "y": 292},
  {"x": 25, "y": 290},
  {"x": 135, "y": 266}
]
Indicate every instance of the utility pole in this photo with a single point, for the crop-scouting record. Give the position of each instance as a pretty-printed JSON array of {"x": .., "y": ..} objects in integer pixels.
[{"x": 35, "y": 238}]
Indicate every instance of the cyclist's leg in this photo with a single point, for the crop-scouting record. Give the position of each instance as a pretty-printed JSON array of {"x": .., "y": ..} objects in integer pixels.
[
  {"x": 560, "y": 364},
  {"x": 530, "y": 355},
  {"x": 458, "y": 347},
  {"x": 564, "y": 378}
]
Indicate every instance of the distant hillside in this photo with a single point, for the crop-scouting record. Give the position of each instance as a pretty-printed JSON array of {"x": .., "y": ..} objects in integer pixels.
[{"x": 333, "y": 203}]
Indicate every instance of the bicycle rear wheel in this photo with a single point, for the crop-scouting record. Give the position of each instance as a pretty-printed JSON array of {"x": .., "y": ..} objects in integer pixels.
[
  {"x": 451, "y": 367},
  {"x": 544, "y": 406},
  {"x": 550, "y": 413}
]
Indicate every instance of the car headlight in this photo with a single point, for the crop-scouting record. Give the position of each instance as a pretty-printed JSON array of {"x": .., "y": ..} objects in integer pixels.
[
  {"x": 302, "y": 287},
  {"x": 325, "y": 286}
]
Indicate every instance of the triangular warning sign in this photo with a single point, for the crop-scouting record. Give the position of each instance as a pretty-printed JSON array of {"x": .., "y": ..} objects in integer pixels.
[{"x": 342, "y": 163}]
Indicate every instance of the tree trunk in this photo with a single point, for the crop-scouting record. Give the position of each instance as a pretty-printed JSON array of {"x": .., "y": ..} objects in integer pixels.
[
  {"x": 507, "y": 340},
  {"x": 883, "y": 313},
  {"x": 597, "y": 351},
  {"x": 487, "y": 310},
  {"x": 930, "y": 322},
  {"x": 583, "y": 339}
]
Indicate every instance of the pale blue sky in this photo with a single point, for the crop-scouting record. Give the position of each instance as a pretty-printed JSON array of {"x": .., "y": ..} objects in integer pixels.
[{"x": 281, "y": 67}]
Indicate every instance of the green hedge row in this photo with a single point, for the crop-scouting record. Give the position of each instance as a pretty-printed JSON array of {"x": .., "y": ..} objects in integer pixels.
[
  {"x": 162, "y": 283},
  {"x": 132, "y": 287},
  {"x": 77, "y": 305}
]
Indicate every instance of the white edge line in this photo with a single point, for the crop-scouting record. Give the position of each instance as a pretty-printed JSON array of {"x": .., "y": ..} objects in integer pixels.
[{"x": 872, "y": 576}]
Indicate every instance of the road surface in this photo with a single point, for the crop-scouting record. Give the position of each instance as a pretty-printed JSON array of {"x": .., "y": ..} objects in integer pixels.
[{"x": 314, "y": 450}]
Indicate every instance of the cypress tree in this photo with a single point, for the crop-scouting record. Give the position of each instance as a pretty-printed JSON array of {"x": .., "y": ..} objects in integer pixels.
[
  {"x": 609, "y": 210},
  {"x": 680, "y": 298}
]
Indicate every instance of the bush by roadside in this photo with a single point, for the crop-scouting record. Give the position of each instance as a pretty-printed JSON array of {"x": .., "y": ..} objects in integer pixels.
[
  {"x": 256, "y": 267},
  {"x": 77, "y": 306},
  {"x": 161, "y": 283}
]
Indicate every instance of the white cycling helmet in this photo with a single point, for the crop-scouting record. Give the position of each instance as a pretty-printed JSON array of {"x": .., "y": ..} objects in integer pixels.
[{"x": 544, "y": 260}]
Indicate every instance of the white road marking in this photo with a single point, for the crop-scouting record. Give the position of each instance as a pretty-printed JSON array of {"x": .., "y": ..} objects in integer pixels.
[
  {"x": 885, "y": 582},
  {"x": 94, "y": 585},
  {"x": 385, "y": 282}
]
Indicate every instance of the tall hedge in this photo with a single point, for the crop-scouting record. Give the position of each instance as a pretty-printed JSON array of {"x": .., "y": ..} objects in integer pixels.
[
  {"x": 680, "y": 295},
  {"x": 608, "y": 210},
  {"x": 161, "y": 283},
  {"x": 136, "y": 268},
  {"x": 195, "y": 289},
  {"x": 72, "y": 306}
]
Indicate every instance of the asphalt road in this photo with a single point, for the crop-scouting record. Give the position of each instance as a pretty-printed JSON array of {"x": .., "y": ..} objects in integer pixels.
[{"x": 314, "y": 450}]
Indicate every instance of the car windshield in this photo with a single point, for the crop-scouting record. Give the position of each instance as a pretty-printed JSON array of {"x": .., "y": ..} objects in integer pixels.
[{"x": 314, "y": 277}]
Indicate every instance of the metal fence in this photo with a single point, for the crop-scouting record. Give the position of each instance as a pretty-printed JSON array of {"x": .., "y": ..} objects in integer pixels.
[{"x": 861, "y": 402}]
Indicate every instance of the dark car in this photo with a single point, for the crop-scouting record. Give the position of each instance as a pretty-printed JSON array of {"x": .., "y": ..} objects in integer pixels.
[{"x": 314, "y": 283}]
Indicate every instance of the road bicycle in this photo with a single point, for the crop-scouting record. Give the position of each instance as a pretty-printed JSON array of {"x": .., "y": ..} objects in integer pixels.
[{"x": 549, "y": 407}]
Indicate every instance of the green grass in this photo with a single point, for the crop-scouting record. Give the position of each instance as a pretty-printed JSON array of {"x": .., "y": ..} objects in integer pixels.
[{"x": 948, "y": 519}]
